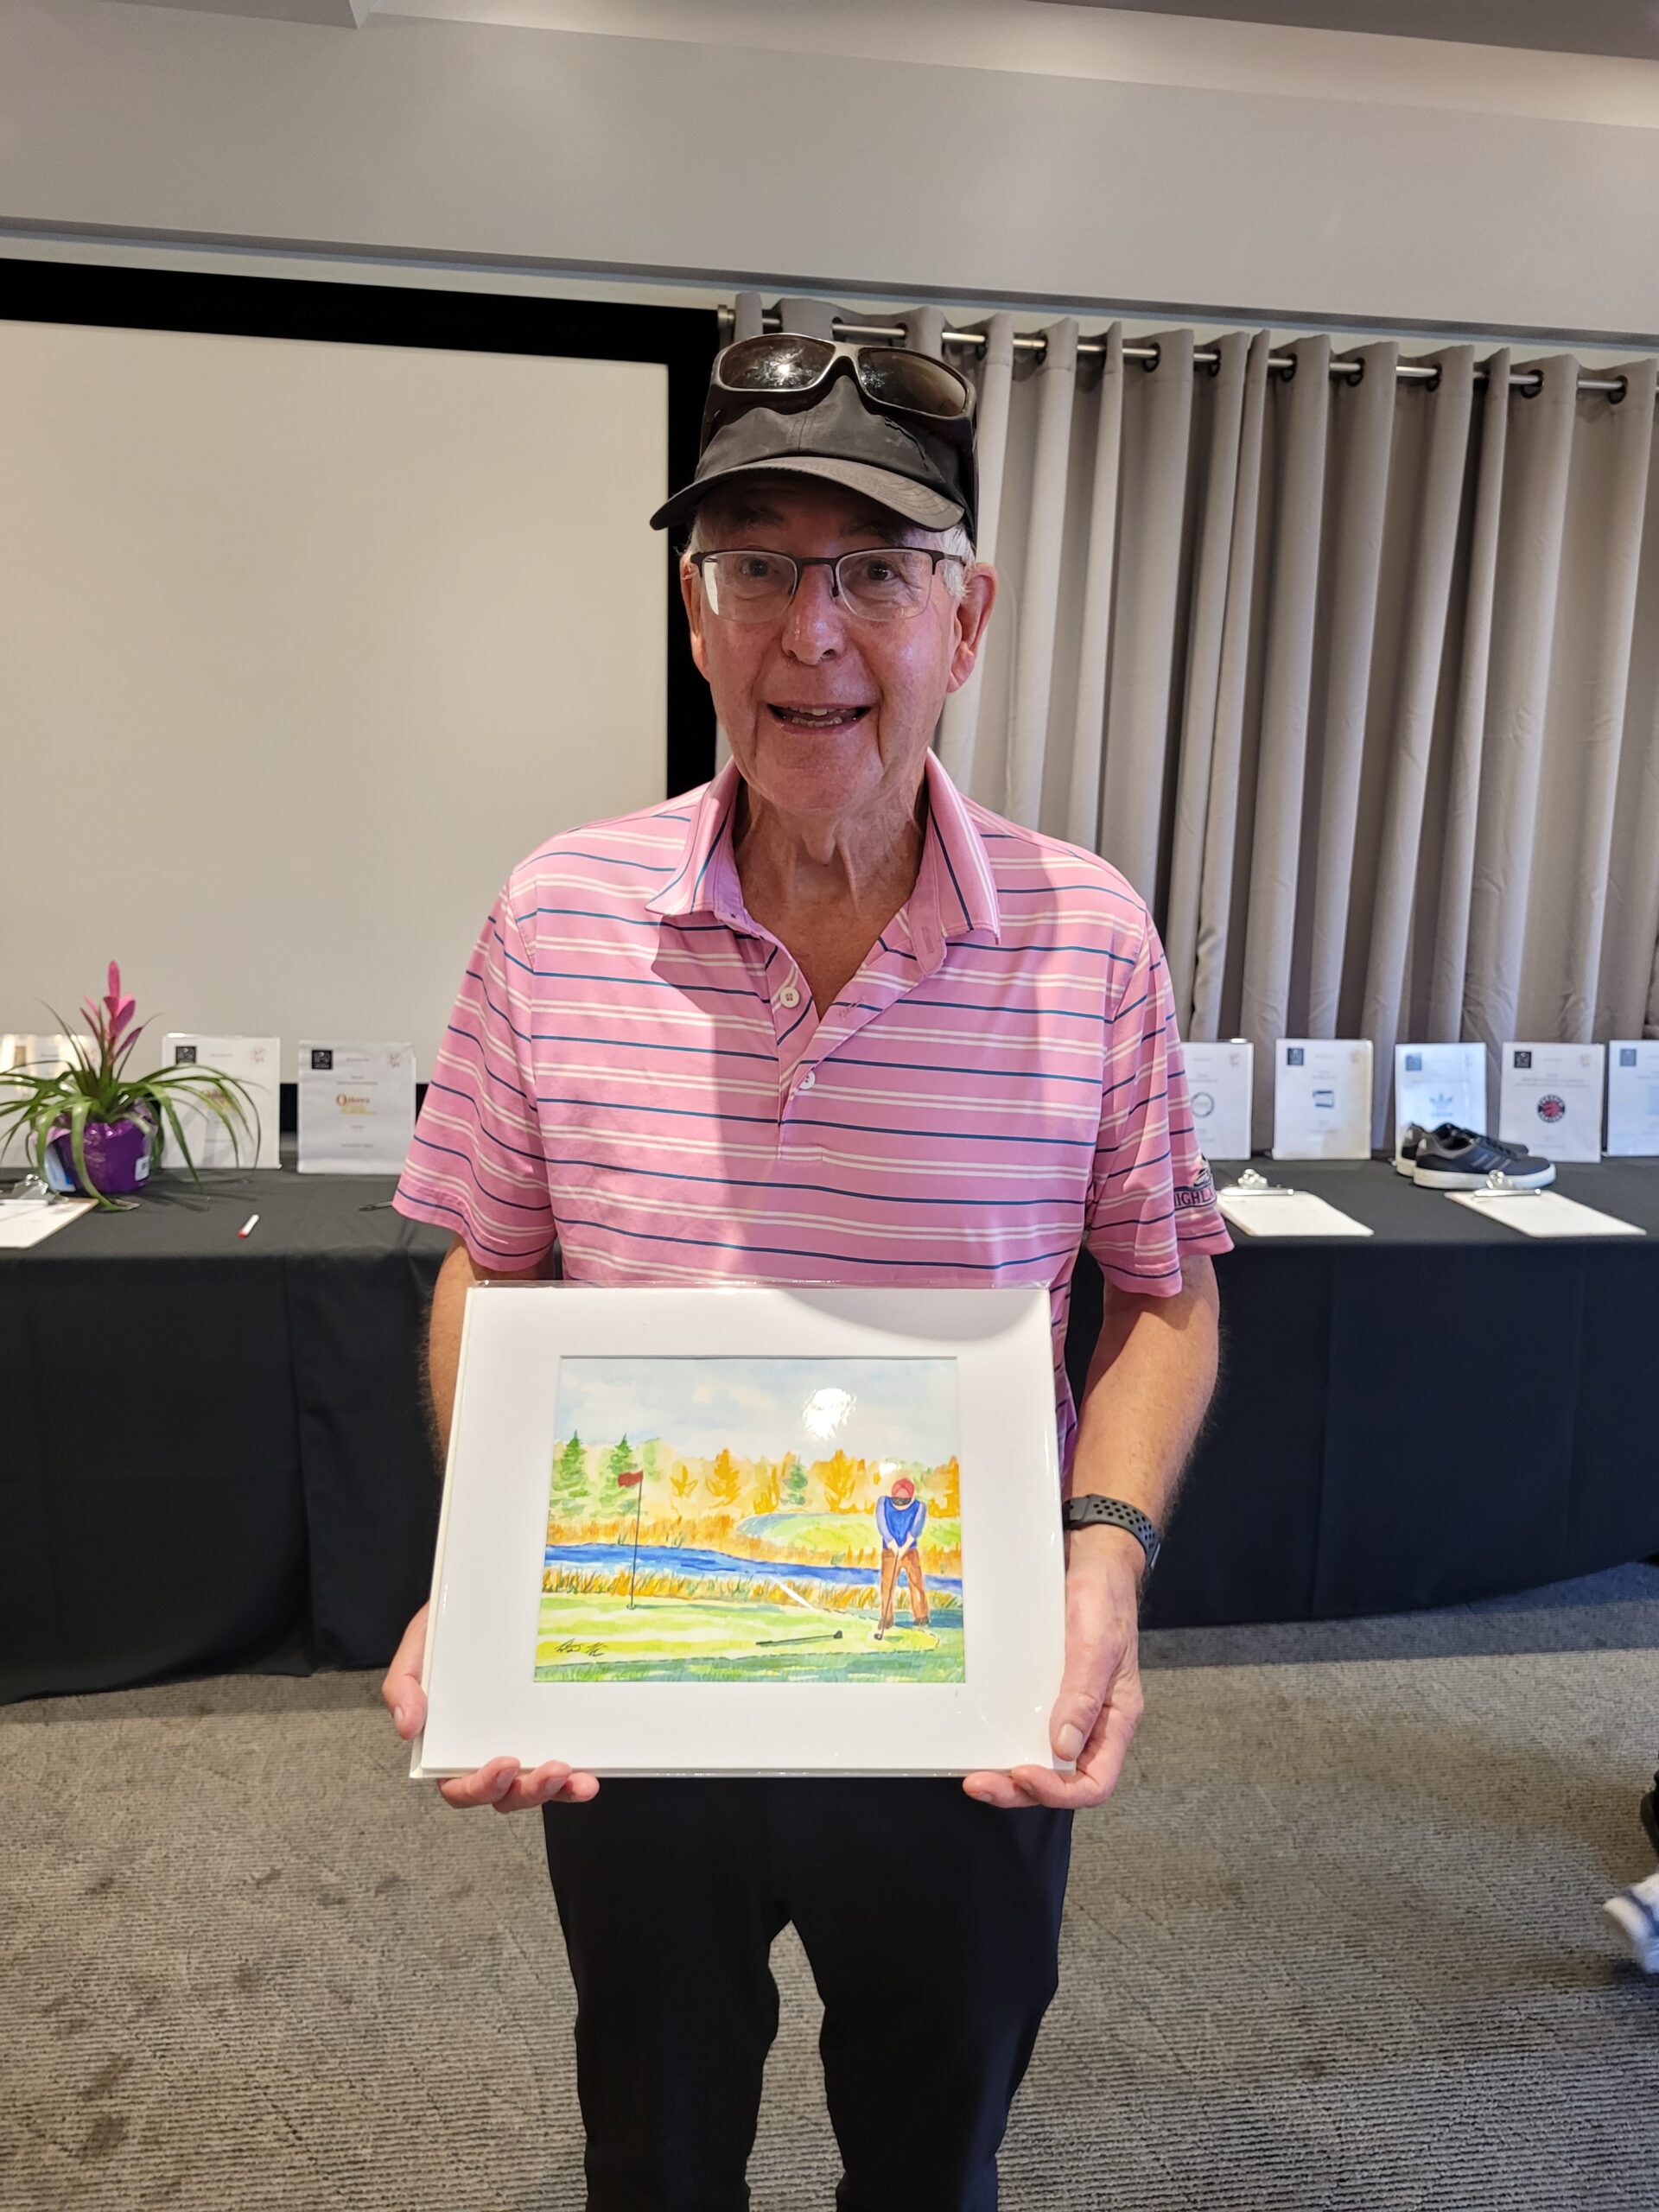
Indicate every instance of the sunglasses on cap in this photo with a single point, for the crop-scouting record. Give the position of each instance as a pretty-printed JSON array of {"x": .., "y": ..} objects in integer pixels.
[{"x": 787, "y": 371}]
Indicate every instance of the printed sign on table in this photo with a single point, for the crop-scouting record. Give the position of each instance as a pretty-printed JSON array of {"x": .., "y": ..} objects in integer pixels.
[
  {"x": 255, "y": 1062},
  {"x": 1220, "y": 1079},
  {"x": 1322, "y": 1098},
  {"x": 1633, "y": 1096},
  {"x": 1551, "y": 1099},
  {"x": 357, "y": 1107},
  {"x": 1439, "y": 1082}
]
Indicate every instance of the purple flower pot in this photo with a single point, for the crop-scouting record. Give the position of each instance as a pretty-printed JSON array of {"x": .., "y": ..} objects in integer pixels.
[{"x": 118, "y": 1158}]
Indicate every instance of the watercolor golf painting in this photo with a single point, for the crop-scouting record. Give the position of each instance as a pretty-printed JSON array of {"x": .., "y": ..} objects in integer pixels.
[{"x": 765, "y": 1519}]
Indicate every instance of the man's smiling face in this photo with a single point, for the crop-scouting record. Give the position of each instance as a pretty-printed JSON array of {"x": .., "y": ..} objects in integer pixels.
[{"x": 827, "y": 713}]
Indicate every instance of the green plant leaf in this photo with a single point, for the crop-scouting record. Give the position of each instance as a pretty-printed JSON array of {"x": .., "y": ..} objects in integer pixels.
[
  {"x": 167, "y": 1108},
  {"x": 209, "y": 1087}
]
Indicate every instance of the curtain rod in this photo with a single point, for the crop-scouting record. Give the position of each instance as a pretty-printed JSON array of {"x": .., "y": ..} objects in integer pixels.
[{"x": 1204, "y": 356}]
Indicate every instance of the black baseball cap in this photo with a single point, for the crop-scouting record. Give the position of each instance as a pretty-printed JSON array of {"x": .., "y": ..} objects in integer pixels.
[{"x": 842, "y": 439}]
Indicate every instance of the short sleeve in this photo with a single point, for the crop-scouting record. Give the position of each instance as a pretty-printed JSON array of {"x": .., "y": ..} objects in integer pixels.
[
  {"x": 1151, "y": 1198},
  {"x": 476, "y": 1164}
]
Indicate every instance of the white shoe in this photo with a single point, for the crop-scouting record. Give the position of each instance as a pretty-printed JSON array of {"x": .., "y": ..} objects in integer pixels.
[{"x": 1635, "y": 1913}]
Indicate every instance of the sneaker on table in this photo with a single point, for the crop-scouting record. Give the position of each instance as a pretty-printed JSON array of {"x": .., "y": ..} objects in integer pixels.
[
  {"x": 1413, "y": 1137},
  {"x": 1405, "y": 1158},
  {"x": 1635, "y": 1913},
  {"x": 1451, "y": 1159}
]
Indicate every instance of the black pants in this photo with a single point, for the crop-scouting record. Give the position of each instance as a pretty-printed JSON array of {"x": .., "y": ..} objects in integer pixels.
[{"x": 932, "y": 1926}]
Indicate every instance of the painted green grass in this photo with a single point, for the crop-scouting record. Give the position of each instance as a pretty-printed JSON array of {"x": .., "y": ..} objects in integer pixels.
[{"x": 600, "y": 1639}]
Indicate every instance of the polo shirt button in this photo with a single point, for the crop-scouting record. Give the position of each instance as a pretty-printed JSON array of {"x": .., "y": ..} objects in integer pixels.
[
  {"x": 789, "y": 996},
  {"x": 806, "y": 1082}
]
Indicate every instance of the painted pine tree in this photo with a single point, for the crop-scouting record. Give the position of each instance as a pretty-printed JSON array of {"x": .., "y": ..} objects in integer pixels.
[
  {"x": 619, "y": 1461},
  {"x": 570, "y": 1480}
]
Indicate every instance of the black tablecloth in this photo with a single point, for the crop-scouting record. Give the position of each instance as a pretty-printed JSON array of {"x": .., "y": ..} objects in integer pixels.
[
  {"x": 1441, "y": 1411},
  {"x": 210, "y": 1448},
  {"x": 208, "y": 1443}
]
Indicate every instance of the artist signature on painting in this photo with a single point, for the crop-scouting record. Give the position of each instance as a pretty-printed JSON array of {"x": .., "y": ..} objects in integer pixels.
[{"x": 570, "y": 1648}]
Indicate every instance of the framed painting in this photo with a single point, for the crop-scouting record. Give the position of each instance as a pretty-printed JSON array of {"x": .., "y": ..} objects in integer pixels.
[{"x": 749, "y": 1531}]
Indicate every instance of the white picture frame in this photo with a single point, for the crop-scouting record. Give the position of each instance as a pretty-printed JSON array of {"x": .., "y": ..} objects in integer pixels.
[{"x": 524, "y": 1344}]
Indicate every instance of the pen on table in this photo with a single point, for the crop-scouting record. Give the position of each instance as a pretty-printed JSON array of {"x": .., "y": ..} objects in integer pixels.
[{"x": 247, "y": 1224}]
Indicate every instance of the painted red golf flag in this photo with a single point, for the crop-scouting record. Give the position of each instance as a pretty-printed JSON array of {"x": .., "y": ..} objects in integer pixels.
[{"x": 629, "y": 1477}]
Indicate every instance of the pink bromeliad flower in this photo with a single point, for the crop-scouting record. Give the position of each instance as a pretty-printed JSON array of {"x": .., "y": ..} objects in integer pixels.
[
  {"x": 110, "y": 1022},
  {"x": 121, "y": 1009}
]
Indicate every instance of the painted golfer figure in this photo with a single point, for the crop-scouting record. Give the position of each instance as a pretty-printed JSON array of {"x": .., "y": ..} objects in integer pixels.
[{"x": 899, "y": 1519}]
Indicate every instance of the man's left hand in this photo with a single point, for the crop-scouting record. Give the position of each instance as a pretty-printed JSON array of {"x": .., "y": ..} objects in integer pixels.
[{"x": 1100, "y": 1703}]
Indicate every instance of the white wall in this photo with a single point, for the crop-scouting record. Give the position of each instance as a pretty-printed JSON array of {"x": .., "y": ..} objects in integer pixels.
[{"x": 1390, "y": 181}]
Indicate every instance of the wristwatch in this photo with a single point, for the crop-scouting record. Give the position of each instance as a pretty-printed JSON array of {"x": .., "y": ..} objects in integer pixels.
[{"x": 1090, "y": 1509}]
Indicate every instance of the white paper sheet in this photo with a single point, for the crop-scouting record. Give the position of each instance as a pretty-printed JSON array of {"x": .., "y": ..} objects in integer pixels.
[
  {"x": 1633, "y": 1097},
  {"x": 24, "y": 1221},
  {"x": 255, "y": 1061},
  {"x": 1439, "y": 1082},
  {"x": 1551, "y": 1099},
  {"x": 356, "y": 1107},
  {"x": 1219, "y": 1082},
  {"x": 1546, "y": 1213},
  {"x": 1322, "y": 1098},
  {"x": 1292, "y": 1213}
]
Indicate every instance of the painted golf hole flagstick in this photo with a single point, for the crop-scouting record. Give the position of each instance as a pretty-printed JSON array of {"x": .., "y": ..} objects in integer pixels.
[{"x": 809, "y": 1531}]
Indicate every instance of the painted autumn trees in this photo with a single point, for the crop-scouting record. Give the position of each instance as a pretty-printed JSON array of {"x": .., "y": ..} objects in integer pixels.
[{"x": 586, "y": 1485}]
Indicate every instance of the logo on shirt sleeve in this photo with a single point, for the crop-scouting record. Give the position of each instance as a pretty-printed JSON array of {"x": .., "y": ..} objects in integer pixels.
[{"x": 1200, "y": 1192}]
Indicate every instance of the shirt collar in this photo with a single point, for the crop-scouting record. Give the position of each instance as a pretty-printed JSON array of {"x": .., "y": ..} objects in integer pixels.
[{"x": 955, "y": 892}]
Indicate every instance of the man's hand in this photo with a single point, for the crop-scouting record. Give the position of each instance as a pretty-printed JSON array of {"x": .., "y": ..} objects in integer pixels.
[
  {"x": 500, "y": 1782},
  {"x": 1100, "y": 1702}
]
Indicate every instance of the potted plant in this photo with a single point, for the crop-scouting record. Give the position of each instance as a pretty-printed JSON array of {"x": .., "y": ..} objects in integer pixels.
[{"x": 94, "y": 1128}]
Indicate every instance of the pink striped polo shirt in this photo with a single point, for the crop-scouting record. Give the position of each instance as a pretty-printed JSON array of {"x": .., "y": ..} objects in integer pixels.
[{"x": 635, "y": 1069}]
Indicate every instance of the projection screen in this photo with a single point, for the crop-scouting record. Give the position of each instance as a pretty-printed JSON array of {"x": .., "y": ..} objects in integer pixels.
[{"x": 304, "y": 644}]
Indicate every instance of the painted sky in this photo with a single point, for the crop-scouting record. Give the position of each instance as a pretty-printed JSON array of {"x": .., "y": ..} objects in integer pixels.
[{"x": 761, "y": 1409}]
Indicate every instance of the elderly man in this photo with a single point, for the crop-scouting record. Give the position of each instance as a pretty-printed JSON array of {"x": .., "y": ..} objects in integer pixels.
[{"x": 825, "y": 1020}]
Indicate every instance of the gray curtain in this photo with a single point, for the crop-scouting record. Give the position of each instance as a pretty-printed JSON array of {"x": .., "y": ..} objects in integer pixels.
[{"x": 1356, "y": 681}]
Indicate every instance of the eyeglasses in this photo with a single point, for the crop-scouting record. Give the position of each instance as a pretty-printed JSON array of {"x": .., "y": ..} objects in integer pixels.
[
  {"x": 787, "y": 370},
  {"x": 882, "y": 584}
]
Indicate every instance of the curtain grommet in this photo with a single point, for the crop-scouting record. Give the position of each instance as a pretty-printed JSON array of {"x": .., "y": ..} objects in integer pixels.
[
  {"x": 1617, "y": 398},
  {"x": 1433, "y": 384},
  {"x": 1151, "y": 365},
  {"x": 1288, "y": 374},
  {"x": 1357, "y": 377}
]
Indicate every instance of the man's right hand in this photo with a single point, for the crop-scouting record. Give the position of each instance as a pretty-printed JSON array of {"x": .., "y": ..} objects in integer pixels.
[{"x": 500, "y": 1781}]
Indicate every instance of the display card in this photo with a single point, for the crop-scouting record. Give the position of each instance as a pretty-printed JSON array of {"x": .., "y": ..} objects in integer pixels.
[
  {"x": 1551, "y": 1099},
  {"x": 1322, "y": 1098},
  {"x": 1439, "y": 1082},
  {"x": 357, "y": 1107},
  {"x": 1633, "y": 1096},
  {"x": 255, "y": 1062},
  {"x": 1219, "y": 1082}
]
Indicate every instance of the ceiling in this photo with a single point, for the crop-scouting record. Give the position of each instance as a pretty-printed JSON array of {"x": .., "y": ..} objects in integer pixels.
[
  {"x": 1626, "y": 28},
  {"x": 1619, "y": 26}
]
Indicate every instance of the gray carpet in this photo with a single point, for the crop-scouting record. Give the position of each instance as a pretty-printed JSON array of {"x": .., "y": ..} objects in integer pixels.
[{"x": 1334, "y": 1947}]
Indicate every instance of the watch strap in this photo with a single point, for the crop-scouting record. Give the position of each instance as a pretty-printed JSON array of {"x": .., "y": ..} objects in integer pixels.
[{"x": 1092, "y": 1511}]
